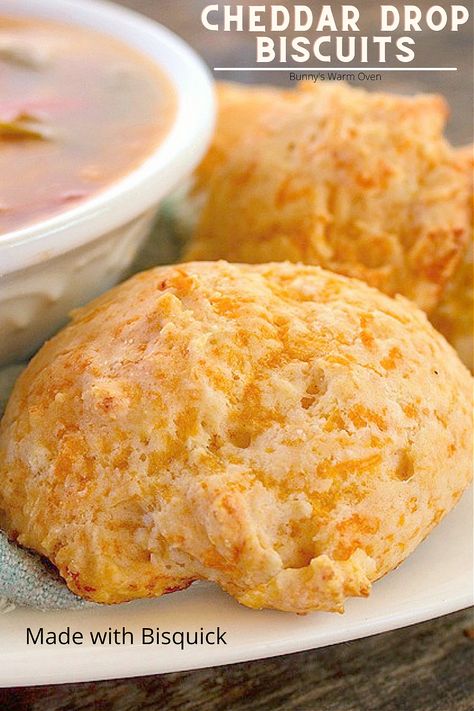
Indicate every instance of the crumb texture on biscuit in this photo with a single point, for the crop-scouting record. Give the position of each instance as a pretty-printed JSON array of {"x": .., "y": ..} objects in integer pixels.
[
  {"x": 286, "y": 432},
  {"x": 361, "y": 183},
  {"x": 454, "y": 315}
]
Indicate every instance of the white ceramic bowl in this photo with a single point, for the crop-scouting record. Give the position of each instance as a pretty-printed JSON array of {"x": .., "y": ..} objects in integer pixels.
[{"x": 58, "y": 263}]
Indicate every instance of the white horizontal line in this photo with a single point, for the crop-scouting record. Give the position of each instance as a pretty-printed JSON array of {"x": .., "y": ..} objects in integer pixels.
[{"x": 335, "y": 69}]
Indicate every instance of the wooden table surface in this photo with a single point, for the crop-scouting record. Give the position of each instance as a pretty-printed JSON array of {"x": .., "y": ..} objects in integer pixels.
[{"x": 426, "y": 667}]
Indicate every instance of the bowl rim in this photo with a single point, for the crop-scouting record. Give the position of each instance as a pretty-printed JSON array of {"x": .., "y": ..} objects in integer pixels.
[{"x": 145, "y": 185}]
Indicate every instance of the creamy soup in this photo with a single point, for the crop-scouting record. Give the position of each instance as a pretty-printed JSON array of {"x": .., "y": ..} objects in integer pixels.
[{"x": 78, "y": 110}]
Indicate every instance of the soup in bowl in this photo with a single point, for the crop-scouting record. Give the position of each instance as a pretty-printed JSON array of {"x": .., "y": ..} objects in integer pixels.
[
  {"x": 102, "y": 113},
  {"x": 78, "y": 110}
]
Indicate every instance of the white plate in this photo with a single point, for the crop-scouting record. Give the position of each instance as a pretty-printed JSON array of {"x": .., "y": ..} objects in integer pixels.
[{"x": 435, "y": 580}]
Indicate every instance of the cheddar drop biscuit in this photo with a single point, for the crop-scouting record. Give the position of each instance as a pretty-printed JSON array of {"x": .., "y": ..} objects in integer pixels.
[
  {"x": 454, "y": 316},
  {"x": 288, "y": 433},
  {"x": 361, "y": 183}
]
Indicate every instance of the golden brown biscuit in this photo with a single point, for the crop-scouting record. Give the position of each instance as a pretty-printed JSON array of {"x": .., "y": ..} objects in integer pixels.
[
  {"x": 238, "y": 108},
  {"x": 286, "y": 432},
  {"x": 453, "y": 317},
  {"x": 361, "y": 183}
]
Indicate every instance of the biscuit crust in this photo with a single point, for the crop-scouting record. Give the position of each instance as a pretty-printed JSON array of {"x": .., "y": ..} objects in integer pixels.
[
  {"x": 286, "y": 432},
  {"x": 454, "y": 315},
  {"x": 360, "y": 183}
]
